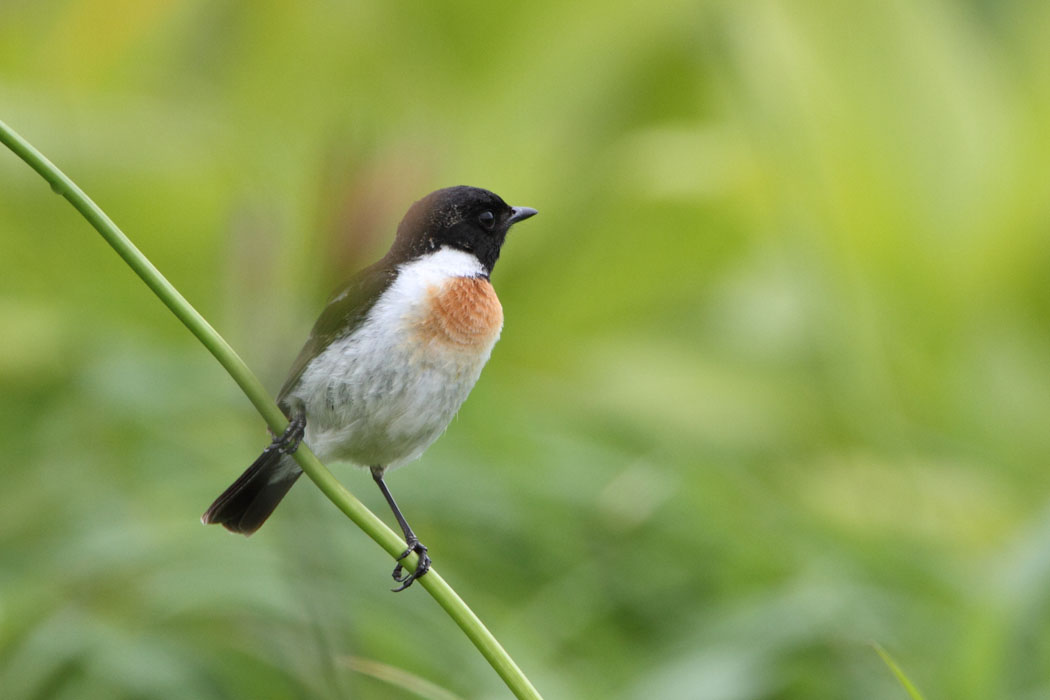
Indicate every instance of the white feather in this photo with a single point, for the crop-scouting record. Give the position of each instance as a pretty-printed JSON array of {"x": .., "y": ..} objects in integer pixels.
[{"x": 381, "y": 396}]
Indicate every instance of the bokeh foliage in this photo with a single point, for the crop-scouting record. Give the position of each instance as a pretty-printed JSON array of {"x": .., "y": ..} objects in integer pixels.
[{"x": 774, "y": 382}]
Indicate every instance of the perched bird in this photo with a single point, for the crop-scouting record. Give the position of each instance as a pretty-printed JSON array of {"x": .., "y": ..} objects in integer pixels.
[{"x": 390, "y": 360}]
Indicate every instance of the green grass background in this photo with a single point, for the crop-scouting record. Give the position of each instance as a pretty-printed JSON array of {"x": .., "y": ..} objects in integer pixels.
[{"x": 774, "y": 382}]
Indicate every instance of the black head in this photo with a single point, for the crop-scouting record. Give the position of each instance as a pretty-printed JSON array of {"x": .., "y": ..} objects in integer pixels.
[{"x": 464, "y": 218}]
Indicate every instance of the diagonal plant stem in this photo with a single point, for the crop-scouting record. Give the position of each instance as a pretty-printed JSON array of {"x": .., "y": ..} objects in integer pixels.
[
  {"x": 898, "y": 672},
  {"x": 375, "y": 528}
]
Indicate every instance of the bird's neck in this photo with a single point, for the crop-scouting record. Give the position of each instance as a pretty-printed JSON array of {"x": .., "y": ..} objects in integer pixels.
[{"x": 443, "y": 264}]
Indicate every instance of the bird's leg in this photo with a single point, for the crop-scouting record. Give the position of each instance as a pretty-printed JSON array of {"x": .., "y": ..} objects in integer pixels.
[{"x": 414, "y": 545}]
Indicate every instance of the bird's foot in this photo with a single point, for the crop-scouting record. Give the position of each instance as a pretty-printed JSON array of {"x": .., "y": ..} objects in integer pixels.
[
  {"x": 288, "y": 441},
  {"x": 406, "y": 578}
]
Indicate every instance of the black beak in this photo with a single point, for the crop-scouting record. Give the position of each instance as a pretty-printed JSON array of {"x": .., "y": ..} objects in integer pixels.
[{"x": 520, "y": 214}]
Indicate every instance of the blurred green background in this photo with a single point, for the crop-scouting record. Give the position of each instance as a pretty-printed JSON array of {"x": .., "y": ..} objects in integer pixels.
[{"x": 774, "y": 381}]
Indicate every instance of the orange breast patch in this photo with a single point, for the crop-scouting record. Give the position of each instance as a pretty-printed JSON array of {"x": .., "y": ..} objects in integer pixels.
[{"x": 464, "y": 312}]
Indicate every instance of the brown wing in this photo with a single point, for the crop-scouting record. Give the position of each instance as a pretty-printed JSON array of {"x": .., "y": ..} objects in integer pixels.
[{"x": 346, "y": 309}]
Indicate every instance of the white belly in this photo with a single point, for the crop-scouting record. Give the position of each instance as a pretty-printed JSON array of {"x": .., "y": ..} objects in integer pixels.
[{"x": 383, "y": 395}]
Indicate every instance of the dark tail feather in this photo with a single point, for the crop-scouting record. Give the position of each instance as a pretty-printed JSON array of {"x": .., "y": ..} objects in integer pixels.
[{"x": 248, "y": 502}]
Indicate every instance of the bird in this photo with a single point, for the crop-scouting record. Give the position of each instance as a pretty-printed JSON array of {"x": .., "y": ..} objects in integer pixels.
[{"x": 390, "y": 360}]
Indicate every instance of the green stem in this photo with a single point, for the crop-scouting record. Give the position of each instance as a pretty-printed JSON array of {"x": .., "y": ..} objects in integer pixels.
[{"x": 375, "y": 528}]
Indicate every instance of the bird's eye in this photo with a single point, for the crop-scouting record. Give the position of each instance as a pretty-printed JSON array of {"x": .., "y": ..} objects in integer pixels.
[{"x": 487, "y": 219}]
